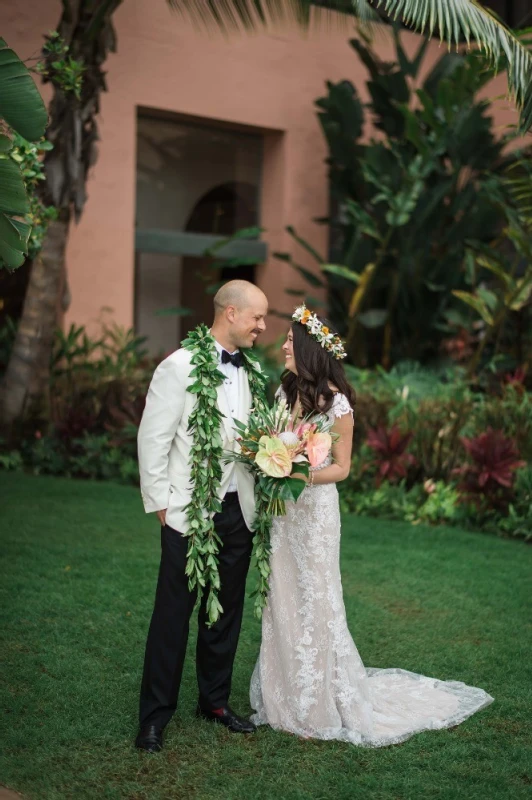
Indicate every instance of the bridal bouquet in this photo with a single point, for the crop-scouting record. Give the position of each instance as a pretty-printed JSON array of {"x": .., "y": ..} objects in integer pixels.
[{"x": 275, "y": 448}]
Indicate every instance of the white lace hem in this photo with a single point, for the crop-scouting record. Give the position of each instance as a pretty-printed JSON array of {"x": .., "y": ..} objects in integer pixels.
[{"x": 470, "y": 700}]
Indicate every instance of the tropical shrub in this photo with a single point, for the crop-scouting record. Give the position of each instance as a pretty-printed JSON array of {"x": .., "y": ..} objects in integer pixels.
[
  {"x": 412, "y": 202},
  {"x": 409, "y": 462},
  {"x": 45, "y": 455},
  {"x": 96, "y": 457},
  {"x": 98, "y": 385},
  {"x": 91, "y": 456},
  {"x": 501, "y": 273},
  {"x": 390, "y": 460},
  {"x": 411, "y": 206},
  {"x": 518, "y": 520},
  {"x": 508, "y": 407},
  {"x": 440, "y": 409},
  {"x": 389, "y": 501},
  {"x": 488, "y": 479},
  {"x": 434, "y": 404},
  {"x": 441, "y": 505},
  {"x": 10, "y": 460}
]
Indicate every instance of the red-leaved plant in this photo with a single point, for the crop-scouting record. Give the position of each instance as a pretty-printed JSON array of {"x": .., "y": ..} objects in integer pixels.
[
  {"x": 461, "y": 346},
  {"x": 391, "y": 459},
  {"x": 489, "y": 479},
  {"x": 516, "y": 379}
]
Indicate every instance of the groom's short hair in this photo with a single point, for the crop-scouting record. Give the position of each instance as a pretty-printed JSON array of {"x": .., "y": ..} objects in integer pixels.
[{"x": 233, "y": 293}]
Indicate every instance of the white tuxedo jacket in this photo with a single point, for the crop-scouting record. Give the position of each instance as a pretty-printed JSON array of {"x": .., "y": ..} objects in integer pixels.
[{"x": 164, "y": 442}]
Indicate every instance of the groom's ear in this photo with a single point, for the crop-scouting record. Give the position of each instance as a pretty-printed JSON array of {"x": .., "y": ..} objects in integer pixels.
[{"x": 230, "y": 313}]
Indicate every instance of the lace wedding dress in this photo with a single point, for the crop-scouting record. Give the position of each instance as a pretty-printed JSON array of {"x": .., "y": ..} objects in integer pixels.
[{"x": 309, "y": 678}]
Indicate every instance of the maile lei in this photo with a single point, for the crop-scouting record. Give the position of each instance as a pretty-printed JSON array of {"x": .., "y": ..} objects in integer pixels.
[{"x": 206, "y": 458}]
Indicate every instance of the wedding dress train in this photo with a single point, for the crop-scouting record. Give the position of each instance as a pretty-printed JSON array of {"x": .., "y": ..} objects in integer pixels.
[{"x": 309, "y": 678}]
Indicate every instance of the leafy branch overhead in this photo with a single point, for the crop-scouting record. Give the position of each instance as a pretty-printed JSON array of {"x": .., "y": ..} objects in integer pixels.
[
  {"x": 455, "y": 21},
  {"x": 25, "y": 217},
  {"x": 23, "y": 111}
]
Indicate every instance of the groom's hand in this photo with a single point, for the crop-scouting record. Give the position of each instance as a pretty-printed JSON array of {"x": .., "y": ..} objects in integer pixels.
[{"x": 161, "y": 516}]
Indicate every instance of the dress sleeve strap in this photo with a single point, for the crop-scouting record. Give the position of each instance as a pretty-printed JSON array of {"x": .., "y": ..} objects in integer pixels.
[{"x": 341, "y": 406}]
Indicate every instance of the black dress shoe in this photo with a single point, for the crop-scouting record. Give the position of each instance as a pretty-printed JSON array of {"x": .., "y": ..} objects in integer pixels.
[
  {"x": 224, "y": 716},
  {"x": 150, "y": 739}
]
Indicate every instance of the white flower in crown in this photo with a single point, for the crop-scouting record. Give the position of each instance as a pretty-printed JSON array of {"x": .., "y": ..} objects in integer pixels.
[{"x": 328, "y": 340}]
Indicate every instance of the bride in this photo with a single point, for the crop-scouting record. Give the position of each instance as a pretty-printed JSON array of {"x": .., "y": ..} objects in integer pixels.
[{"x": 309, "y": 678}]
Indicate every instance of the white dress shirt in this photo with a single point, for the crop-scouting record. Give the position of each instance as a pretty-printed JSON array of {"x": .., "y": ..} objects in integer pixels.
[{"x": 231, "y": 392}]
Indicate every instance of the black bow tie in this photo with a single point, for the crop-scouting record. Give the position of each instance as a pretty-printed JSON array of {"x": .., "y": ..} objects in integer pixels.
[{"x": 236, "y": 359}]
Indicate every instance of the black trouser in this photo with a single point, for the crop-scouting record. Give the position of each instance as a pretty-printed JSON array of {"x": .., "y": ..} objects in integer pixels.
[{"x": 174, "y": 603}]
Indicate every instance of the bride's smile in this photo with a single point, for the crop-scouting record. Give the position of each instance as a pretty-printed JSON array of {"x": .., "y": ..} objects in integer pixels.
[{"x": 288, "y": 350}]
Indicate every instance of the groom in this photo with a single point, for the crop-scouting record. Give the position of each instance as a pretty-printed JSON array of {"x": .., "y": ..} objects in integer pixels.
[{"x": 164, "y": 444}]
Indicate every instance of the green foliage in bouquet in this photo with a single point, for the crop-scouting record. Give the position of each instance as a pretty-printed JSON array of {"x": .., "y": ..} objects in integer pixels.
[{"x": 276, "y": 490}]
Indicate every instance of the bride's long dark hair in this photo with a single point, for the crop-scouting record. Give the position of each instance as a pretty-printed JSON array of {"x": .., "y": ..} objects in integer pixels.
[{"x": 317, "y": 370}]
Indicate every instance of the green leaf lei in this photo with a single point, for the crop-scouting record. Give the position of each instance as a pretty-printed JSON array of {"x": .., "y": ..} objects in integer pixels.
[{"x": 206, "y": 457}]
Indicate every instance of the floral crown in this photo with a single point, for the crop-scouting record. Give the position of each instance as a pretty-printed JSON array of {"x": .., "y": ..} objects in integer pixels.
[{"x": 329, "y": 341}]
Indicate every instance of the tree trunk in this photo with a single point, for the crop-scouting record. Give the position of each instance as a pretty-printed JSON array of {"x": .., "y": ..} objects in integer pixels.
[{"x": 27, "y": 374}]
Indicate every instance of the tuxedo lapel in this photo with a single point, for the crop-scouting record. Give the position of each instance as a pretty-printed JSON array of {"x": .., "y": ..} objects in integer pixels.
[
  {"x": 223, "y": 405},
  {"x": 244, "y": 395}
]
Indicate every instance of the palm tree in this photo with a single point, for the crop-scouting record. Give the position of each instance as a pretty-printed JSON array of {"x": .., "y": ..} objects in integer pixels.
[{"x": 86, "y": 26}]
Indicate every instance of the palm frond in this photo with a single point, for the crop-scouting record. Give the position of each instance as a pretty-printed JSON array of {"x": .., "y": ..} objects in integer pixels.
[
  {"x": 456, "y": 20},
  {"x": 518, "y": 181},
  {"x": 229, "y": 15},
  {"x": 362, "y": 10}
]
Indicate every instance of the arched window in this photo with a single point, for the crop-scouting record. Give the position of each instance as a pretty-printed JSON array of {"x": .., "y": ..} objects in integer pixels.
[{"x": 223, "y": 210}]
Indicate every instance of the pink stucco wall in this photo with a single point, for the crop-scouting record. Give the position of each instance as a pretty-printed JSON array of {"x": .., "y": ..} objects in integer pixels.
[{"x": 265, "y": 81}]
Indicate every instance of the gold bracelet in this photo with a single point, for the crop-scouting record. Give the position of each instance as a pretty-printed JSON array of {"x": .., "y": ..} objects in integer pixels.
[{"x": 311, "y": 479}]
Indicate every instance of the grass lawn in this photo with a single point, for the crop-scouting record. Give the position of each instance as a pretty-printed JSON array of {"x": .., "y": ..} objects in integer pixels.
[{"x": 78, "y": 569}]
